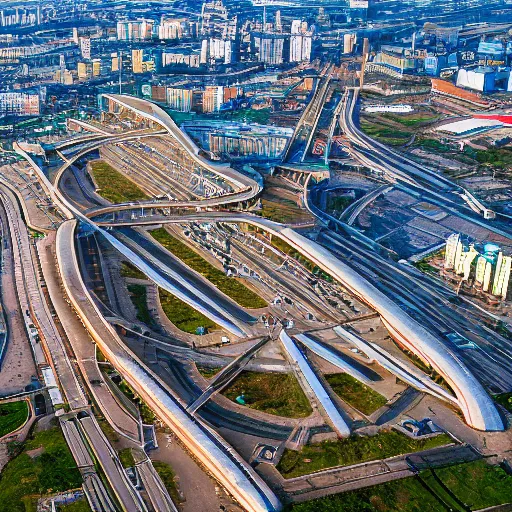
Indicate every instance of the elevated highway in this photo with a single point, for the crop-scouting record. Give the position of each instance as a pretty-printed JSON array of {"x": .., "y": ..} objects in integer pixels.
[
  {"x": 225, "y": 465},
  {"x": 478, "y": 408},
  {"x": 298, "y": 360},
  {"x": 352, "y": 212},
  {"x": 300, "y": 141},
  {"x": 383, "y": 157},
  {"x": 157, "y": 115},
  {"x": 239, "y": 479},
  {"x": 408, "y": 173}
]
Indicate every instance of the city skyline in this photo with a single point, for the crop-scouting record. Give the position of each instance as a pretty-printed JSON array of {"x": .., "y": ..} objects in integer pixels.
[{"x": 256, "y": 255}]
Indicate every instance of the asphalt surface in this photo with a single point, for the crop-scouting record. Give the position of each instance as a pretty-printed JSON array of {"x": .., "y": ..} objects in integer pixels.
[
  {"x": 32, "y": 300},
  {"x": 128, "y": 497}
]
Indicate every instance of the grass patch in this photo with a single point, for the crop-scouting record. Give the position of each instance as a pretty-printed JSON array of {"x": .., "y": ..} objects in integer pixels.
[
  {"x": 107, "y": 429},
  {"x": 207, "y": 372},
  {"x": 12, "y": 416},
  {"x": 228, "y": 285},
  {"x": 353, "y": 450},
  {"x": 25, "y": 478},
  {"x": 357, "y": 394},
  {"x": 426, "y": 268},
  {"x": 433, "y": 145},
  {"x": 168, "y": 476},
  {"x": 139, "y": 297},
  {"x": 339, "y": 203},
  {"x": 129, "y": 270},
  {"x": 126, "y": 458},
  {"x": 284, "y": 211},
  {"x": 274, "y": 393},
  {"x": 505, "y": 399},
  {"x": 496, "y": 157},
  {"x": 476, "y": 484},
  {"x": 385, "y": 134},
  {"x": 182, "y": 315},
  {"x": 114, "y": 186},
  {"x": 81, "y": 505},
  {"x": 147, "y": 415},
  {"x": 411, "y": 120}
]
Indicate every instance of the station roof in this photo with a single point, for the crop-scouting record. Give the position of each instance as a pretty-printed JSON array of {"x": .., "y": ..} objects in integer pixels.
[{"x": 468, "y": 126}]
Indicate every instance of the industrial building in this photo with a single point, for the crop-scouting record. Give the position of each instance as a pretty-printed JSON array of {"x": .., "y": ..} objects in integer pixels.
[
  {"x": 238, "y": 140},
  {"x": 469, "y": 127},
  {"x": 485, "y": 79},
  {"x": 397, "y": 58}
]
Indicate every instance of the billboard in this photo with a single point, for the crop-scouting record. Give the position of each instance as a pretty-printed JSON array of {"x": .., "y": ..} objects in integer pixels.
[
  {"x": 491, "y": 48},
  {"x": 359, "y": 4}
]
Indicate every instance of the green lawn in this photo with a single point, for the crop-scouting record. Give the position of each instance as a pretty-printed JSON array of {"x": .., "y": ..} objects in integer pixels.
[
  {"x": 147, "y": 415},
  {"x": 207, "y": 372},
  {"x": 129, "y": 270},
  {"x": 183, "y": 316},
  {"x": 274, "y": 393},
  {"x": 497, "y": 157},
  {"x": 81, "y": 505},
  {"x": 168, "y": 478},
  {"x": 139, "y": 297},
  {"x": 412, "y": 120},
  {"x": 228, "y": 285},
  {"x": 12, "y": 416},
  {"x": 107, "y": 429},
  {"x": 126, "y": 458},
  {"x": 284, "y": 211},
  {"x": 25, "y": 478},
  {"x": 114, "y": 186},
  {"x": 433, "y": 145},
  {"x": 339, "y": 203},
  {"x": 476, "y": 484},
  {"x": 386, "y": 134},
  {"x": 426, "y": 267},
  {"x": 353, "y": 450},
  {"x": 355, "y": 393}
]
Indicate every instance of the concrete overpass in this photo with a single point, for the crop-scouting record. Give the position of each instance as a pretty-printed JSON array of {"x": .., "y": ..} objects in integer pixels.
[
  {"x": 476, "y": 405},
  {"x": 157, "y": 115},
  {"x": 376, "y": 155},
  {"x": 478, "y": 408},
  {"x": 240, "y": 480}
]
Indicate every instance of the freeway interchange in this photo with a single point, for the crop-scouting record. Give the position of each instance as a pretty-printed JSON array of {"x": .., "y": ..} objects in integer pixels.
[{"x": 407, "y": 305}]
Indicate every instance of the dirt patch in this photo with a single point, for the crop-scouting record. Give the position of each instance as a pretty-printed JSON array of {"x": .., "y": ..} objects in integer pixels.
[{"x": 36, "y": 452}]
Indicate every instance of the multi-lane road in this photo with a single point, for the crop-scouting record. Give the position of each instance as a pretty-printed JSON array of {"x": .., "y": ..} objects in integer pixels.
[
  {"x": 413, "y": 177},
  {"x": 213, "y": 452}
]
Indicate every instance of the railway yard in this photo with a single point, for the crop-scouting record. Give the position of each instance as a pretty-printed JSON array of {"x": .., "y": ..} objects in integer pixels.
[{"x": 198, "y": 327}]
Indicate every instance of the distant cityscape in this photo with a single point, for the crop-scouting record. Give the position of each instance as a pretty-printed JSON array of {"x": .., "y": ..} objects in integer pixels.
[{"x": 256, "y": 255}]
